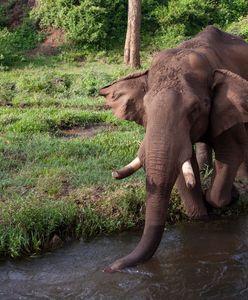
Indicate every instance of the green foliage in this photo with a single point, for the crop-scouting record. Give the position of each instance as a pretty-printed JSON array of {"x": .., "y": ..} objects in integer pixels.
[
  {"x": 182, "y": 19},
  {"x": 14, "y": 43},
  {"x": 6, "y": 44},
  {"x": 26, "y": 36},
  {"x": 102, "y": 24},
  {"x": 194, "y": 14},
  {"x": 3, "y": 16},
  {"x": 240, "y": 28},
  {"x": 231, "y": 10},
  {"x": 88, "y": 23}
]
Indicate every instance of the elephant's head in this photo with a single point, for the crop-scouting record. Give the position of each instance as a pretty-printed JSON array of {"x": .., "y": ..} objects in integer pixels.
[{"x": 178, "y": 106}]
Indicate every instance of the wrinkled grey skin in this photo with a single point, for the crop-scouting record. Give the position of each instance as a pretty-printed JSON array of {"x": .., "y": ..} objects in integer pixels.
[{"x": 195, "y": 93}]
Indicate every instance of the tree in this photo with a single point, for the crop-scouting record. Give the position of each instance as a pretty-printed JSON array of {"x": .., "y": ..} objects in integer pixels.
[{"x": 132, "y": 44}]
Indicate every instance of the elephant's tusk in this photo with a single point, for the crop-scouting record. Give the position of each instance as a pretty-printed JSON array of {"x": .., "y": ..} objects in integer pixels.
[
  {"x": 188, "y": 174},
  {"x": 128, "y": 170}
]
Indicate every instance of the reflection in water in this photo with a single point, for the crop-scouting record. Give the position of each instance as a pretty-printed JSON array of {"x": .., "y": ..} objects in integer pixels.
[{"x": 194, "y": 261}]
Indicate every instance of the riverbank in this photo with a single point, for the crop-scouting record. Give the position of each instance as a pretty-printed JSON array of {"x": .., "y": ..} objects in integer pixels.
[{"x": 58, "y": 146}]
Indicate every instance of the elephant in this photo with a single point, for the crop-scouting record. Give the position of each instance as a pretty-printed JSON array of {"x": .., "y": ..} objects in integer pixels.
[{"x": 196, "y": 93}]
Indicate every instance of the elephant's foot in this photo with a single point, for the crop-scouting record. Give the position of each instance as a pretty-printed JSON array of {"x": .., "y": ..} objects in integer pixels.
[
  {"x": 194, "y": 206},
  {"x": 213, "y": 201}
]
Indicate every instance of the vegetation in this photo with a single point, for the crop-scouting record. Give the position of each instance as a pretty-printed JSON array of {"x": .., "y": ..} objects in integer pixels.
[
  {"x": 50, "y": 181},
  {"x": 58, "y": 142},
  {"x": 102, "y": 24}
]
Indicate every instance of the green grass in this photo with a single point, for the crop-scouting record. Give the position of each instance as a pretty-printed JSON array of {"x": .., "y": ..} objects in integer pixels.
[{"x": 51, "y": 184}]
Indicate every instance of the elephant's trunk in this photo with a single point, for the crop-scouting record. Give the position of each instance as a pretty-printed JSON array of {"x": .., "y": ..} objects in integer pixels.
[
  {"x": 163, "y": 159},
  {"x": 156, "y": 208}
]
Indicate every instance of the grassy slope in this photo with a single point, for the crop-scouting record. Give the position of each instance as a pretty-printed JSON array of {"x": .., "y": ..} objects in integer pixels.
[
  {"x": 54, "y": 184},
  {"x": 51, "y": 184}
]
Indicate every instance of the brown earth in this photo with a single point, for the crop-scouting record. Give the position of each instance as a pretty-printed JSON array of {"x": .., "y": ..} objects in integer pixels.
[
  {"x": 87, "y": 130},
  {"x": 55, "y": 38}
]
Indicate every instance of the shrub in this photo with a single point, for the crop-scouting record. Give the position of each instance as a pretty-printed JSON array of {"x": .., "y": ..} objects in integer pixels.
[
  {"x": 87, "y": 22},
  {"x": 6, "y": 47},
  {"x": 180, "y": 19},
  {"x": 3, "y": 16},
  {"x": 231, "y": 10},
  {"x": 14, "y": 43},
  {"x": 240, "y": 28}
]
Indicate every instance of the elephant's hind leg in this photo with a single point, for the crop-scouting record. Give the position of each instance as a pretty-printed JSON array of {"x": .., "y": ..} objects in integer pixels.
[
  {"x": 243, "y": 169},
  {"x": 192, "y": 199},
  {"x": 229, "y": 150}
]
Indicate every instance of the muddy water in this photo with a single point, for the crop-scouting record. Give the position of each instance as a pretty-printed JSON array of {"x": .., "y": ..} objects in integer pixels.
[{"x": 194, "y": 261}]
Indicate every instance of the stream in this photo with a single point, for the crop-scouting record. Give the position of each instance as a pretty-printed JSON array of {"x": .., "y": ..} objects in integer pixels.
[{"x": 198, "y": 260}]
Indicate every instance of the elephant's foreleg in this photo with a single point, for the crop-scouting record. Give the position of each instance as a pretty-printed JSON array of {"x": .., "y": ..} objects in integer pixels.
[
  {"x": 229, "y": 150},
  {"x": 192, "y": 199},
  {"x": 203, "y": 155}
]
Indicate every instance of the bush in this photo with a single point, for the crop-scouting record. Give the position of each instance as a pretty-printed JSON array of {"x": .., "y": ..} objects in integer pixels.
[
  {"x": 240, "y": 28},
  {"x": 102, "y": 24},
  {"x": 193, "y": 14},
  {"x": 6, "y": 47},
  {"x": 14, "y": 43},
  {"x": 26, "y": 36},
  {"x": 231, "y": 10},
  {"x": 87, "y": 22},
  {"x": 3, "y": 17},
  {"x": 181, "y": 19}
]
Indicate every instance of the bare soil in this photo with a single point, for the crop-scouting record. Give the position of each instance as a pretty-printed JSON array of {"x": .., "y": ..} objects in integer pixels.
[
  {"x": 87, "y": 130},
  {"x": 50, "y": 45}
]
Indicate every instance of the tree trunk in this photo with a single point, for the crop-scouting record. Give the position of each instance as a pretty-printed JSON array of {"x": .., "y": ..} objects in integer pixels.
[{"x": 132, "y": 44}]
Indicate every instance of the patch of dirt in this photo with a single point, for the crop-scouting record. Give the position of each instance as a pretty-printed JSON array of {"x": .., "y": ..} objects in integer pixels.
[
  {"x": 87, "y": 130},
  {"x": 6, "y": 103},
  {"x": 100, "y": 107},
  {"x": 17, "y": 11},
  {"x": 86, "y": 195},
  {"x": 54, "y": 39}
]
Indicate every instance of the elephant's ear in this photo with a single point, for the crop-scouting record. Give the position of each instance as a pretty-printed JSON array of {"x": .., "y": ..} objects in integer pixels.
[
  {"x": 230, "y": 101},
  {"x": 125, "y": 97}
]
